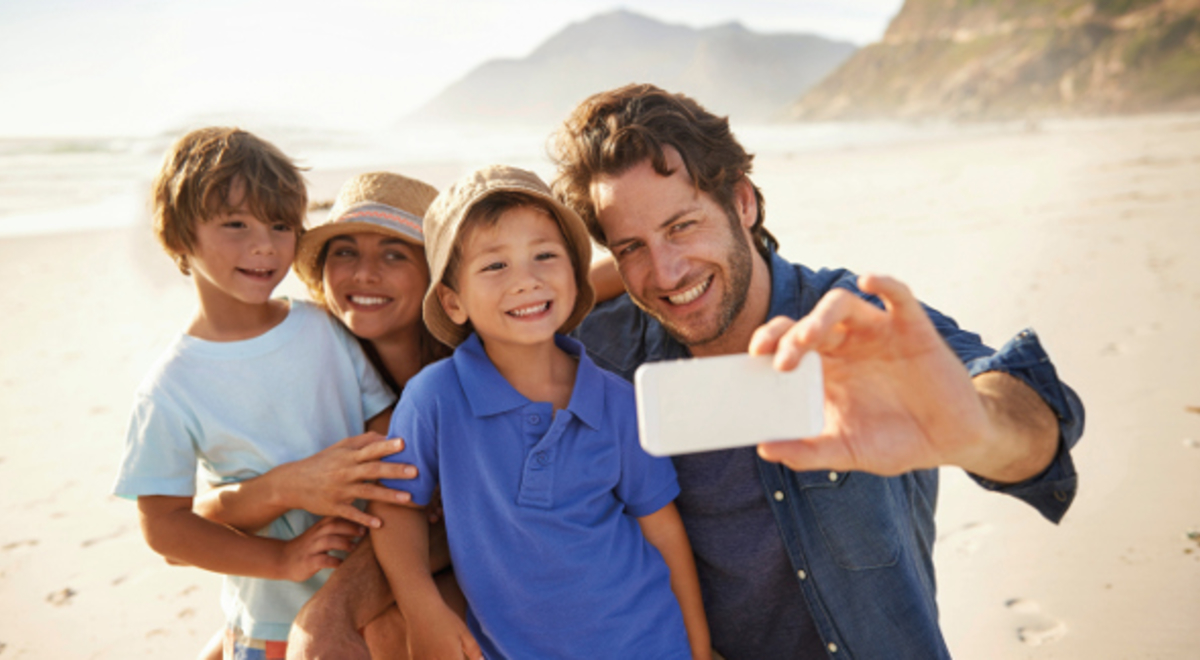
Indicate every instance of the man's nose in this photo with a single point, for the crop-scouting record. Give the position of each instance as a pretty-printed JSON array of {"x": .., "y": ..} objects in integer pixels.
[{"x": 670, "y": 266}]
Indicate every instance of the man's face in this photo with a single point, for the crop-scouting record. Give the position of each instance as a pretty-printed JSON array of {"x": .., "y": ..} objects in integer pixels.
[{"x": 683, "y": 258}]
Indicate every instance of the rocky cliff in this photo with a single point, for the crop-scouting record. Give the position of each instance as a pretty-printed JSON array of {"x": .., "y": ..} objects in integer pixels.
[
  {"x": 997, "y": 59},
  {"x": 728, "y": 68}
]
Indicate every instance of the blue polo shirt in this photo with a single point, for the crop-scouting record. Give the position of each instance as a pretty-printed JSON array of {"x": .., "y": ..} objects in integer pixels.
[{"x": 541, "y": 509}]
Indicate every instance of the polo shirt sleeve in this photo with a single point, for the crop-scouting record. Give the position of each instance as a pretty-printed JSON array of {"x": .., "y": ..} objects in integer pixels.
[
  {"x": 648, "y": 483},
  {"x": 414, "y": 422},
  {"x": 160, "y": 454}
]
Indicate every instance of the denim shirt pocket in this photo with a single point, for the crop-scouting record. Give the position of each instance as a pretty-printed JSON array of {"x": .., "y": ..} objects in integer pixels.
[{"x": 854, "y": 512}]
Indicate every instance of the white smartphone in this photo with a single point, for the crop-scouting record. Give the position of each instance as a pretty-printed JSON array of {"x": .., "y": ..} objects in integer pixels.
[{"x": 702, "y": 404}]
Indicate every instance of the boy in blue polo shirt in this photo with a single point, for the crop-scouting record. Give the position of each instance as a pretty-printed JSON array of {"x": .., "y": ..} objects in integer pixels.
[{"x": 563, "y": 531}]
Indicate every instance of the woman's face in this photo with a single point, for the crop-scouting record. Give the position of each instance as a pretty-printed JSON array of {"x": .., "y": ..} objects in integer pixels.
[{"x": 375, "y": 284}]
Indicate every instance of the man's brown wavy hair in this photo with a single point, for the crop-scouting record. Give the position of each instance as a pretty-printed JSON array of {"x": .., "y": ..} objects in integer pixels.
[
  {"x": 613, "y": 131},
  {"x": 198, "y": 173}
]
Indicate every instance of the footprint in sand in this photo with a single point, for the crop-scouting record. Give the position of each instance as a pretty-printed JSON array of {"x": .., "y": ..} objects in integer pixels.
[
  {"x": 61, "y": 597},
  {"x": 966, "y": 540},
  {"x": 1035, "y": 628},
  {"x": 19, "y": 544}
]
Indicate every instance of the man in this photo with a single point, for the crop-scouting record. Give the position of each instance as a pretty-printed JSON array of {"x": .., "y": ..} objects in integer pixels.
[{"x": 818, "y": 546}]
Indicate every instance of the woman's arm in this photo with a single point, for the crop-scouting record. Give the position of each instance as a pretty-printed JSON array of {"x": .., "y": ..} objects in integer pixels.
[
  {"x": 326, "y": 484},
  {"x": 606, "y": 280},
  {"x": 664, "y": 530},
  {"x": 172, "y": 530}
]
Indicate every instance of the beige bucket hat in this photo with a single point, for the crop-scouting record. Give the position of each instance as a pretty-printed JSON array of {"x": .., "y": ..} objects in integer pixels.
[
  {"x": 446, "y": 214},
  {"x": 377, "y": 202}
]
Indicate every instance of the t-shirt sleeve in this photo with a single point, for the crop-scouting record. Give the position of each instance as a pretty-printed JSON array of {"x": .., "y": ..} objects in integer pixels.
[
  {"x": 413, "y": 422},
  {"x": 160, "y": 451},
  {"x": 376, "y": 395},
  {"x": 648, "y": 483}
]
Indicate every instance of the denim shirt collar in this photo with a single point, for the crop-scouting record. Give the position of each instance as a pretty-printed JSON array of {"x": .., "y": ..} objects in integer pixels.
[
  {"x": 785, "y": 288},
  {"x": 489, "y": 393}
]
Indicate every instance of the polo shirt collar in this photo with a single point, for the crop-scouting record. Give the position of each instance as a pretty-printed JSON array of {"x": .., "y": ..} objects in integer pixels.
[{"x": 488, "y": 393}]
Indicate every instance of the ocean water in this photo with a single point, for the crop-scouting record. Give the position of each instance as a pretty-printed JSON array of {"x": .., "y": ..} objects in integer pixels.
[{"x": 51, "y": 185}]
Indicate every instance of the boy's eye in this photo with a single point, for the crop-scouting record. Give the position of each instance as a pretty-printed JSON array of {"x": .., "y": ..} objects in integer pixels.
[
  {"x": 494, "y": 266},
  {"x": 544, "y": 256},
  {"x": 280, "y": 226},
  {"x": 234, "y": 224}
]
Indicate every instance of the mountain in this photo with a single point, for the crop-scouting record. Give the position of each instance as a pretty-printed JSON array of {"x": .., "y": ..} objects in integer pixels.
[
  {"x": 997, "y": 59},
  {"x": 728, "y": 68}
]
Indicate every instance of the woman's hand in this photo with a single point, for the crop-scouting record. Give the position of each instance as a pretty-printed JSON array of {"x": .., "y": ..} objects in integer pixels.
[
  {"x": 328, "y": 482},
  {"x": 439, "y": 634}
]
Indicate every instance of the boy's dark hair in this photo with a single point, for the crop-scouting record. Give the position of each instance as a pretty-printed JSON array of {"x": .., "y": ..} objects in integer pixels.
[
  {"x": 196, "y": 177},
  {"x": 486, "y": 213},
  {"x": 613, "y": 131}
]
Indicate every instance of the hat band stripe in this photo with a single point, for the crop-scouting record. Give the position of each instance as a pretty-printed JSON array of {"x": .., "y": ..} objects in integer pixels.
[{"x": 375, "y": 213}]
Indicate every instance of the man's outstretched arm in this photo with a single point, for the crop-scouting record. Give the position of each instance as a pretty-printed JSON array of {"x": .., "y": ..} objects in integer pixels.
[
  {"x": 328, "y": 625},
  {"x": 898, "y": 399}
]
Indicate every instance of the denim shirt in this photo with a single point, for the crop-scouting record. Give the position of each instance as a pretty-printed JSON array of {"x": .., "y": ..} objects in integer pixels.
[{"x": 861, "y": 545}]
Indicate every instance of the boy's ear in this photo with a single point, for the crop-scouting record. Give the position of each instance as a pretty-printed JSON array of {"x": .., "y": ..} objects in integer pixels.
[{"x": 451, "y": 303}]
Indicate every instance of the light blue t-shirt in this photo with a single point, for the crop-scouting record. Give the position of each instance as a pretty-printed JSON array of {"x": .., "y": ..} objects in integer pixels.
[
  {"x": 541, "y": 510},
  {"x": 234, "y": 410}
]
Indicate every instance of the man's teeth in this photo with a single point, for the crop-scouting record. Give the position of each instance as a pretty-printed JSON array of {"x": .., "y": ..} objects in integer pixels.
[
  {"x": 368, "y": 300},
  {"x": 691, "y": 294},
  {"x": 532, "y": 309}
]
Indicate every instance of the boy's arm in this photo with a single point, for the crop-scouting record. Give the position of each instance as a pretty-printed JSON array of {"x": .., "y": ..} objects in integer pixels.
[
  {"x": 434, "y": 630},
  {"x": 664, "y": 530},
  {"x": 174, "y": 531}
]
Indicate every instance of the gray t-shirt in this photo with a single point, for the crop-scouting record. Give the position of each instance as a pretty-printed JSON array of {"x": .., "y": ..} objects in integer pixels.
[{"x": 754, "y": 605}]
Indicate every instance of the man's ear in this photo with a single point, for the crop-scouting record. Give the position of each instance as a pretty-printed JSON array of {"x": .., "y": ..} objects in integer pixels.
[
  {"x": 745, "y": 201},
  {"x": 451, "y": 303}
]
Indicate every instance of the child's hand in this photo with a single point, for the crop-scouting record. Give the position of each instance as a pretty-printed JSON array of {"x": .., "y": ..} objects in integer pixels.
[
  {"x": 328, "y": 482},
  {"x": 437, "y": 633},
  {"x": 308, "y": 553}
]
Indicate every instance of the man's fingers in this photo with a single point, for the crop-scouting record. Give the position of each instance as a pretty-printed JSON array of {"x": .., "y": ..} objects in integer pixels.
[
  {"x": 765, "y": 339},
  {"x": 818, "y": 453},
  {"x": 897, "y": 297}
]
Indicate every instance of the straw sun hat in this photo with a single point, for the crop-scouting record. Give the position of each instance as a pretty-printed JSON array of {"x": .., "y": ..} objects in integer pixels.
[
  {"x": 446, "y": 214},
  {"x": 378, "y": 202}
]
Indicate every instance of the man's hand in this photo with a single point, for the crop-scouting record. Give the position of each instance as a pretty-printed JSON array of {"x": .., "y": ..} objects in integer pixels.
[{"x": 898, "y": 399}]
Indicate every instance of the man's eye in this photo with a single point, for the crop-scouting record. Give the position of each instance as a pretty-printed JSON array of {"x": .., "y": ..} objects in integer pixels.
[
  {"x": 628, "y": 249},
  {"x": 680, "y": 226}
]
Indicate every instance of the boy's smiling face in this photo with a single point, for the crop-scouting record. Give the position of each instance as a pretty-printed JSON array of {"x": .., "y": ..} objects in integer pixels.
[
  {"x": 515, "y": 282},
  {"x": 239, "y": 259}
]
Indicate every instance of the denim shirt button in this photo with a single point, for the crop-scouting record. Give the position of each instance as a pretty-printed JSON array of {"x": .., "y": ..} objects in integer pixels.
[
  {"x": 802, "y": 575},
  {"x": 832, "y": 647},
  {"x": 779, "y": 496},
  {"x": 1060, "y": 496},
  {"x": 833, "y": 476}
]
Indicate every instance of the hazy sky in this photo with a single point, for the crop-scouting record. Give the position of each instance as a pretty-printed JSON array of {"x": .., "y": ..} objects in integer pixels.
[{"x": 94, "y": 67}]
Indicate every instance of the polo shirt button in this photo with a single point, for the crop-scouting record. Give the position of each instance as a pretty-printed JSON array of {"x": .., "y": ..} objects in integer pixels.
[
  {"x": 802, "y": 575},
  {"x": 832, "y": 647},
  {"x": 542, "y": 458},
  {"x": 779, "y": 496},
  {"x": 534, "y": 419},
  {"x": 833, "y": 476}
]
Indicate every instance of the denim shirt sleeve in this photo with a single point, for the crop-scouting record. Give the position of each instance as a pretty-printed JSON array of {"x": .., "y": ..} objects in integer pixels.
[{"x": 1023, "y": 357}]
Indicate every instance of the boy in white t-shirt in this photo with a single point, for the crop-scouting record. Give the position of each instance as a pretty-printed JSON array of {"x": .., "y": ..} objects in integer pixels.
[{"x": 253, "y": 383}]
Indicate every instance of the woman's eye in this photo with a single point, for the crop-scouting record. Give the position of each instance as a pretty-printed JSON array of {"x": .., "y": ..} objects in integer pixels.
[
  {"x": 342, "y": 252},
  {"x": 396, "y": 256}
]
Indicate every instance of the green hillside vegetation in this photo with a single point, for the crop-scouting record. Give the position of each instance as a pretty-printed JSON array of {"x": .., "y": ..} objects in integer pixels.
[{"x": 997, "y": 59}]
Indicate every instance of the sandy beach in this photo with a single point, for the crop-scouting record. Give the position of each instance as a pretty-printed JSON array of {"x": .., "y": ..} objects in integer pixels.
[{"x": 1086, "y": 230}]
